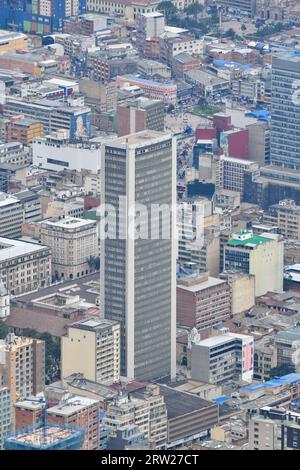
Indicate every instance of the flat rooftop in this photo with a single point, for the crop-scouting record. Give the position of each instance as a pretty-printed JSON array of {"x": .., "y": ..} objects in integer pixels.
[
  {"x": 181, "y": 403},
  {"x": 71, "y": 406},
  {"x": 94, "y": 324},
  {"x": 10, "y": 248},
  {"x": 140, "y": 139},
  {"x": 68, "y": 223},
  {"x": 211, "y": 282}
]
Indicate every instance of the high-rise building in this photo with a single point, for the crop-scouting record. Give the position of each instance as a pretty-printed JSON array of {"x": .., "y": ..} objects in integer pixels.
[
  {"x": 285, "y": 101},
  {"x": 40, "y": 16},
  {"x": 92, "y": 347},
  {"x": 260, "y": 255},
  {"x": 138, "y": 275}
]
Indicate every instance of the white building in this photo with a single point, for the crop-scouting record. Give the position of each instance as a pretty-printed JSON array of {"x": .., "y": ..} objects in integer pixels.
[
  {"x": 222, "y": 358},
  {"x": 4, "y": 302},
  {"x": 54, "y": 152},
  {"x": 11, "y": 216},
  {"x": 73, "y": 244}
]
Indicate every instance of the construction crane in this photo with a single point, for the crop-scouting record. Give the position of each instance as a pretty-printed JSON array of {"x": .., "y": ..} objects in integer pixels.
[{"x": 43, "y": 402}]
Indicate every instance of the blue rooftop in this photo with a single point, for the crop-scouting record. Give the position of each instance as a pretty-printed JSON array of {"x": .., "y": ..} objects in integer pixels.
[
  {"x": 221, "y": 400},
  {"x": 260, "y": 114},
  {"x": 150, "y": 82},
  {"x": 276, "y": 382},
  {"x": 231, "y": 63}
]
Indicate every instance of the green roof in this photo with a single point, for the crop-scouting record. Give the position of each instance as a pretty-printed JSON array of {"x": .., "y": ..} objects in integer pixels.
[{"x": 253, "y": 240}]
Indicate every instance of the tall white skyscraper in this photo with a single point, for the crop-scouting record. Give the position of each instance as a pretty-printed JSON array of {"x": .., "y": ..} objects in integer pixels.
[{"x": 138, "y": 273}]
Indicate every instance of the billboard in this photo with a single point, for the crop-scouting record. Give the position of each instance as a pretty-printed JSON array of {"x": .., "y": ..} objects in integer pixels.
[{"x": 80, "y": 126}]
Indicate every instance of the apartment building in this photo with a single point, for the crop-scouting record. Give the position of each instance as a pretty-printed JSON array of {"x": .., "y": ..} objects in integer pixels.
[
  {"x": 224, "y": 357},
  {"x": 92, "y": 347},
  {"x": 24, "y": 130},
  {"x": 286, "y": 215},
  {"x": 24, "y": 266},
  {"x": 11, "y": 216},
  {"x": 274, "y": 429},
  {"x": 260, "y": 255},
  {"x": 202, "y": 301},
  {"x": 73, "y": 244},
  {"x": 5, "y": 414},
  {"x": 265, "y": 358},
  {"x": 13, "y": 152},
  {"x": 145, "y": 408},
  {"x": 79, "y": 412},
  {"x": 22, "y": 366},
  {"x": 31, "y": 205}
]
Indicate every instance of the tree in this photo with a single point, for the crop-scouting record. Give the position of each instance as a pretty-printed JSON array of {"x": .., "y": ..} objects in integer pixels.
[
  {"x": 171, "y": 108},
  {"x": 243, "y": 27},
  {"x": 3, "y": 330},
  {"x": 283, "y": 369},
  {"x": 168, "y": 9},
  {"x": 194, "y": 9},
  {"x": 230, "y": 33}
]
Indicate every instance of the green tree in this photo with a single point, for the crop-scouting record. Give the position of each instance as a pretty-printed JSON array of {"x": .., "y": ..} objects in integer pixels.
[
  {"x": 243, "y": 27},
  {"x": 194, "y": 9},
  {"x": 168, "y": 9},
  {"x": 3, "y": 329}
]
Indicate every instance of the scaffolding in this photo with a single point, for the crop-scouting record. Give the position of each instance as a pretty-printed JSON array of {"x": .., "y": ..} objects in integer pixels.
[{"x": 58, "y": 437}]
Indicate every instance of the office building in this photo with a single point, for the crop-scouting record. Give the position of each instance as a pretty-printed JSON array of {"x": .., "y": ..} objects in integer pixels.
[
  {"x": 40, "y": 16},
  {"x": 260, "y": 255},
  {"x": 139, "y": 114},
  {"x": 240, "y": 6},
  {"x": 224, "y": 357},
  {"x": 285, "y": 102},
  {"x": 24, "y": 266},
  {"x": 274, "y": 429},
  {"x": 31, "y": 205},
  {"x": 5, "y": 409},
  {"x": 286, "y": 215},
  {"x": 81, "y": 413},
  {"x": 138, "y": 272},
  {"x": 242, "y": 291},
  {"x": 22, "y": 366},
  {"x": 55, "y": 152},
  {"x": 202, "y": 301},
  {"x": 11, "y": 216},
  {"x": 92, "y": 347},
  {"x": 53, "y": 116},
  {"x": 265, "y": 358},
  {"x": 73, "y": 243},
  {"x": 13, "y": 153},
  {"x": 149, "y": 25},
  {"x": 230, "y": 173}
]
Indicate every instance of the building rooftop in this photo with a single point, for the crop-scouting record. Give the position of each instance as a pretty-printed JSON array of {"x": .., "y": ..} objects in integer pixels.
[
  {"x": 71, "y": 406},
  {"x": 181, "y": 403},
  {"x": 10, "y": 248},
  {"x": 94, "y": 324},
  {"x": 201, "y": 285},
  {"x": 66, "y": 223},
  {"x": 248, "y": 239},
  {"x": 140, "y": 139}
]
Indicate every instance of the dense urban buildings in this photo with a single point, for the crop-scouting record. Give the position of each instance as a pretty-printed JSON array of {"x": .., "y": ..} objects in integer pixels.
[{"x": 149, "y": 225}]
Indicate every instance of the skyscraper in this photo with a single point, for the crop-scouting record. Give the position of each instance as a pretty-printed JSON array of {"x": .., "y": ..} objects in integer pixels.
[
  {"x": 285, "y": 123},
  {"x": 138, "y": 275}
]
